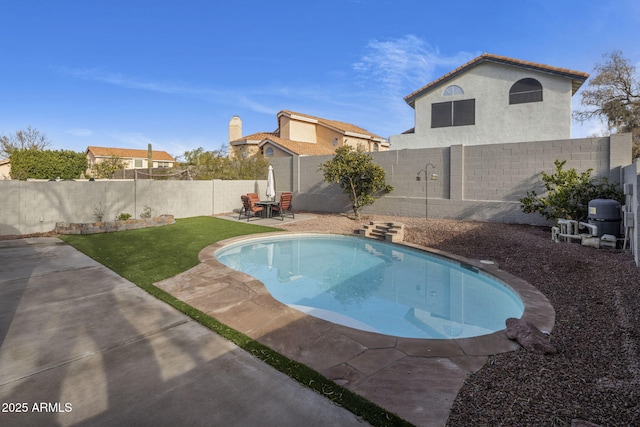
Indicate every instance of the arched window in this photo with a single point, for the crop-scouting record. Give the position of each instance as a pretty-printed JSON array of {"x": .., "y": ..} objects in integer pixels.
[
  {"x": 453, "y": 90},
  {"x": 525, "y": 90},
  {"x": 268, "y": 152}
]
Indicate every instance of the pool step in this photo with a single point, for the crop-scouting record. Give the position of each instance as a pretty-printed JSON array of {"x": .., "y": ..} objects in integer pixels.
[{"x": 387, "y": 231}]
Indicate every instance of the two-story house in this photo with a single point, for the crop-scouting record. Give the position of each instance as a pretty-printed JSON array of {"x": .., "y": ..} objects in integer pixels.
[
  {"x": 492, "y": 99},
  {"x": 302, "y": 134}
]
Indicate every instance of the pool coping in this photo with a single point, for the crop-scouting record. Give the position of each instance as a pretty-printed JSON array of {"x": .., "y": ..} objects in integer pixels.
[{"x": 415, "y": 378}]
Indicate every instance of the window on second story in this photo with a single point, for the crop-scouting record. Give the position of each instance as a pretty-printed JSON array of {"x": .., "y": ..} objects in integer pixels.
[
  {"x": 525, "y": 90},
  {"x": 453, "y": 90},
  {"x": 268, "y": 152},
  {"x": 453, "y": 113}
]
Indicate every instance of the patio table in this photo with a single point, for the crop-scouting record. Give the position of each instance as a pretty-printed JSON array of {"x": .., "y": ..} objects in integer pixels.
[{"x": 268, "y": 207}]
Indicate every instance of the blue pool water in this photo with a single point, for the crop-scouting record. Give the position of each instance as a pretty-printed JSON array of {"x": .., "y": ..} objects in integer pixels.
[{"x": 375, "y": 286}]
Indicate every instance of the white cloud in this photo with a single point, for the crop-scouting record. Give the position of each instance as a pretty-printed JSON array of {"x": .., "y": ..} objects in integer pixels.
[
  {"x": 591, "y": 128},
  {"x": 122, "y": 80},
  {"x": 405, "y": 64},
  {"x": 80, "y": 132},
  {"x": 133, "y": 139},
  {"x": 388, "y": 70}
]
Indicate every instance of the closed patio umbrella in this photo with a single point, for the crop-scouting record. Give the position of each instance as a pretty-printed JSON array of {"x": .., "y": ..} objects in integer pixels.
[{"x": 271, "y": 184}]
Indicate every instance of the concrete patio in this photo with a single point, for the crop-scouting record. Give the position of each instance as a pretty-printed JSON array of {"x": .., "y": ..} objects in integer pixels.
[
  {"x": 80, "y": 345},
  {"x": 268, "y": 222}
]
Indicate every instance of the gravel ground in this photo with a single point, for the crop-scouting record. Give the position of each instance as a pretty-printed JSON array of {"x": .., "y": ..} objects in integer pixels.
[{"x": 595, "y": 376}]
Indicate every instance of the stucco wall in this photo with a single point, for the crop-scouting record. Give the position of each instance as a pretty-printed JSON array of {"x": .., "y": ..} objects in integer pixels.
[
  {"x": 35, "y": 206},
  {"x": 325, "y": 137},
  {"x": 298, "y": 130},
  {"x": 277, "y": 151},
  {"x": 495, "y": 120}
]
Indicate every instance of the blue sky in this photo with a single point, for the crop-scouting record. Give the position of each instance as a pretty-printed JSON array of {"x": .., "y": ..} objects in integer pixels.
[{"x": 128, "y": 73}]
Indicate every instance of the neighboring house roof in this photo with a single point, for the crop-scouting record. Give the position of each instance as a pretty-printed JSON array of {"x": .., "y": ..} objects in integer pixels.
[
  {"x": 577, "y": 77},
  {"x": 4, "y": 162},
  {"x": 255, "y": 137},
  {"x": 129, "y": 153},
  {"x": 288, "y": 145},
  {"x": 296, "y": 147},
  {"x": 346, "y": 128}
]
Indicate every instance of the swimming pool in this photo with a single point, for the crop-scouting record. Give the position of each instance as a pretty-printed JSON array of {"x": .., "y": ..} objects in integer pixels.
[{"x": 376, "y": 286}]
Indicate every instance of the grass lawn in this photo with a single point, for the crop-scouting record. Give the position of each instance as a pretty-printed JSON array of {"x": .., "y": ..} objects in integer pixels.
[{"x": 149, "y": 255}]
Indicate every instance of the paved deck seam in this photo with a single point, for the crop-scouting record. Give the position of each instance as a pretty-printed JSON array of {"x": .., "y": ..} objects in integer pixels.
[{"x": 102, "y": 350}]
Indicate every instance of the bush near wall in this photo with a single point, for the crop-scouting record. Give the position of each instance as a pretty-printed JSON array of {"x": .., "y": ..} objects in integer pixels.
[{"x": 47, "y": 164}]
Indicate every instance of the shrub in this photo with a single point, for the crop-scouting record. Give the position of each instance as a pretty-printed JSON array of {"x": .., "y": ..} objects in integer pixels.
[
  {"x": 47, "y": 164},
  {"x": 123, "y": 216},
  {"x": 568, "y": 194}
]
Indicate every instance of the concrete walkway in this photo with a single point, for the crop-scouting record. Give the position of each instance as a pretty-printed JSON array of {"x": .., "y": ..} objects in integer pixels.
[{"x": 79, "y": 345}]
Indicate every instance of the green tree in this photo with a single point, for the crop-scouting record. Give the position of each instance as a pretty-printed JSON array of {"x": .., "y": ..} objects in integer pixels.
[
  {"x": 29, "y": 139},
  {"x": 568, "y": 194},
  {"x": 107, "y": 167},
  {"x": 357, "y": 175},
  {"x": 205, "y": 165},
  {"x": 47, "y": 164},
  {"x": 614, "y": 94}
]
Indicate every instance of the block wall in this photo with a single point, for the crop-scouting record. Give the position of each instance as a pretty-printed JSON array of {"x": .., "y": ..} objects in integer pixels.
[
  {"x": 36, "y": 206},
  {"x": 483, "y": 182}
]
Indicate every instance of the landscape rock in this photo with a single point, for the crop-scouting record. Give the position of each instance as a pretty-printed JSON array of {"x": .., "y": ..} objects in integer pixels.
[{"x": 528, "y": 336}]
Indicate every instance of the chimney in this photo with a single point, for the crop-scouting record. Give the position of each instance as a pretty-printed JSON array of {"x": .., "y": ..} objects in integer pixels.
[{"x": 235, "y": 128}]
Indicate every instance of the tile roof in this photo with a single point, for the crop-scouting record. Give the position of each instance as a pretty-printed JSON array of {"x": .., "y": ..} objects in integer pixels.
[
  {"x": 297, "y": 147},
  {"x": 335, "y": 124},
  {"x": 577, "y": 77},
  {"x": 255, "y": 137},
  {"x": 129, "y": 153}
]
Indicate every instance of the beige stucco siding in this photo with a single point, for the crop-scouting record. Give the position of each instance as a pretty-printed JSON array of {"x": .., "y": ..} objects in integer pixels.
[
  {"x": 5, "y": 171},
  {"x": 299, "y": 131},
  {"x": 277, "y": 152},
  {"x": 356, "y": 142},
  {"x": 326, "y": 137}
]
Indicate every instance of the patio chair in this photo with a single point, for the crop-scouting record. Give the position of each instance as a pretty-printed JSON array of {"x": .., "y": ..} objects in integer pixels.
[
  {"x": 248, "y": 208},
  {"x": 284, "y": 206},
  {"x": 253, "y": 197}
]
